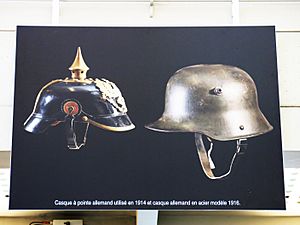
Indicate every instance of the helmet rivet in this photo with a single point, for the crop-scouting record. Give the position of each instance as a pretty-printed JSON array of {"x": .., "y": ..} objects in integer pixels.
[
  {"x": 242, "y": 127},
  {"x": 217, "y": 90},
  {"x": 70, "y": 109}
]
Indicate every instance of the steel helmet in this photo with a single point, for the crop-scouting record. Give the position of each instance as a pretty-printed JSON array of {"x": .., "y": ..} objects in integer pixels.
[
  {"x": 217, "y": 101},
  {"x": 79, "y": 100}
]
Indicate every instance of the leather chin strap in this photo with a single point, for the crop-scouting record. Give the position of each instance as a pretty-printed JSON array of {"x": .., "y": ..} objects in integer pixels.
[
  {"x": 73, "y": 144},
  {"x": 205, "y": 158}
]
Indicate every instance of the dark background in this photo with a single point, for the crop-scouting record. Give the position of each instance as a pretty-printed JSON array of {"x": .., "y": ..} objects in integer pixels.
[{"x": 142, "y": 164}]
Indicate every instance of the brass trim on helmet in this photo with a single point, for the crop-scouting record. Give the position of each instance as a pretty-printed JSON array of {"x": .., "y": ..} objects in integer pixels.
[
  {"x": 105, "y": 127},
  {"x": 72, "y": 80},
  {"x": 111, "y": 93}
]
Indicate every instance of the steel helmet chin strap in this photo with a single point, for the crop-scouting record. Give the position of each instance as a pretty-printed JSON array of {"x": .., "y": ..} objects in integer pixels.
[{"x": 205, "y": 156}]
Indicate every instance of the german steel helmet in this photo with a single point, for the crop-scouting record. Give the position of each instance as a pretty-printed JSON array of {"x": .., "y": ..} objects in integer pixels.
[
  {"x": 217, "y": 101},
  {"x": 79, "y": 100}
]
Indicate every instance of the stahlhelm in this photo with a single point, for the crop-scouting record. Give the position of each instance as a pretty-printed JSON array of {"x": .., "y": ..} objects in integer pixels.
[
  {"x": 79, "y": 100},
  {"x": 217, "y": 101}
]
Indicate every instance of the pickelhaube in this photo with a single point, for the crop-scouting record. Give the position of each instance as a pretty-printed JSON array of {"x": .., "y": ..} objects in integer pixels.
[
  {"x": 216, "y": 101},
  {"x": 79, "y": 100}
]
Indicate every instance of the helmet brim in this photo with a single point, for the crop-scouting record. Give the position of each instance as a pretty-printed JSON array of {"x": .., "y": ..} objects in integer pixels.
[
  {"x": 258, "y": 126},
  {"x": 35, "y": 124},
  {"x": 113, "y": 123},
  {"x": 163, "y": 125}
]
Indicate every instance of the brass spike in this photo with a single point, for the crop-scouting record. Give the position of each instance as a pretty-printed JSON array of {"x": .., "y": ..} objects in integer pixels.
[{"x": 79, "y": 68}]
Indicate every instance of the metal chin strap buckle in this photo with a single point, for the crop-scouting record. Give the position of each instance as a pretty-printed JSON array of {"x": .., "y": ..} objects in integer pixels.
[{"x": 241, "y": 146}]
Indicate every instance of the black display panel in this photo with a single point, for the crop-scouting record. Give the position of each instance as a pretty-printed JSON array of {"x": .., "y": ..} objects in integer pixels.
[{"x": 141, "y": 168}]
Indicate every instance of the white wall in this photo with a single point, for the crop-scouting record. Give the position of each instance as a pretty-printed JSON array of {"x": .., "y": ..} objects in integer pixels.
[{"x": 285, "y": 15}]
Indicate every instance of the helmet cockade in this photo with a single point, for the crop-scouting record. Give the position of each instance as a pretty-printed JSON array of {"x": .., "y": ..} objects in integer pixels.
[{"x": 79, "y": 99}]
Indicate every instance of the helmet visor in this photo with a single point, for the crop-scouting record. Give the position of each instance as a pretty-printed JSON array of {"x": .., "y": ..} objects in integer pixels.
[
  {"x": 113, "y": 123},
  {"x": 36, "y": 124}
]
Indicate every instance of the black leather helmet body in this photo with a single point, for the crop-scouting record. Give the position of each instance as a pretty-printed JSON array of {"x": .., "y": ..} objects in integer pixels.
[
  {"x": 79, "y": 99},
  {"x": 61, "y": 99}
]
